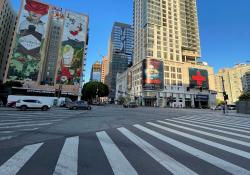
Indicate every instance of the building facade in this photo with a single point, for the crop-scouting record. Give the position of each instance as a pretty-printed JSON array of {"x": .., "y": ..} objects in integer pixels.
[
  {"x": 120, "y": 53},
  {"x": 246, "y": 82},
  {"x": 49, "y": 48},
  {"x": 234, "y": 86},
  {"x": 105, "y": 69},
  {"x": 96, "y": 72},
  {"x": 166, "y": 53},
  {"x": 7, "y": 27}
]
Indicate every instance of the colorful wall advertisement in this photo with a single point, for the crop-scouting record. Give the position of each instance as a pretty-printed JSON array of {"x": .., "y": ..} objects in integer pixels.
[
  {"x": 72, "y": 49},
  {"x": 27, "y": 52},
  {"x": 152, "y": 74},
  {"x": 198, "y": 78}
]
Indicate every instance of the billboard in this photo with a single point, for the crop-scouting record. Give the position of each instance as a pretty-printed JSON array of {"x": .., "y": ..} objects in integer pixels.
[
  {"x": 198, "y": 78},
  {"x": 72, "y": 49},
  {"x": 27, "y": 54},
  {"x": 96, "y": 76},
  {"x": 152, "y": 78}
]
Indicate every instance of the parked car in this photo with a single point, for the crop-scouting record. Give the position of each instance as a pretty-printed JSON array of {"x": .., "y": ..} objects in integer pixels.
[
  {"x": 130, "y": 105},
  {"x": 79, "y": 105},
  {"x": 23, "y": 105},
  {"x": 11, "y": 104},
  {"x": 231, "y": 107}
]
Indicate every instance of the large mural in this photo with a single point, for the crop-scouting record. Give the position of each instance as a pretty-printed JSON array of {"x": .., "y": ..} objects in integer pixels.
[
  {"x": 27, "y": 52},
  {"x": 72, "y": 49},
  {"x": 152, "y": 74}
]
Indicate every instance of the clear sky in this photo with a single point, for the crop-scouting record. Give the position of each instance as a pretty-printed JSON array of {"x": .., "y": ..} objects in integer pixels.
[{"x": 224, "y": 27}]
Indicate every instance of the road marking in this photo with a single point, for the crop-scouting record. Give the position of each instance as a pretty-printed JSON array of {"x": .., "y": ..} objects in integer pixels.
[
  {"x": 220, "y": 163},
  {"x": 209, "y": 128},
  {"x": 32, "y": 119},
  {"x": 208, "y": 134},
  {"x": 21, "y": 126},
  {"x": 6, "y": 138},
  {"x": 166, "y": 161},
  {"x": 16, "y": 162},
  {"x": 215, "y": 121},
  {"x": 29, "y": 122},
  {"x": 68, "y": 159},
  {"x": 204, "y": 141},
  {"x": 118, "y": 162}
]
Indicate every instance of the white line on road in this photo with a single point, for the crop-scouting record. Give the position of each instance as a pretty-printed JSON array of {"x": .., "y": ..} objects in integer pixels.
[
  {"x": 16, "y": 162},
  {"x": 6, "y": 138},
  {"x": 29, "y": 122},
  {"x": 118, "y": 162},
  {"x": 21, "y": 126},
  {"x": 209, "y": 128},
  {"x": 204, "y": 141},
  {"x": 68, "y": 159},
  {"x": 216, "y": 121},
  {"x": 166, "y": 161},
  {"x": 208, "y": 134},
  {"x": 220, "y": 163}
]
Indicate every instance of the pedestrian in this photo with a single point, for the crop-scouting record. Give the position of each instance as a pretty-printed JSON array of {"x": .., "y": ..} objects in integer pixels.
[{"x": 224, "y": 108}]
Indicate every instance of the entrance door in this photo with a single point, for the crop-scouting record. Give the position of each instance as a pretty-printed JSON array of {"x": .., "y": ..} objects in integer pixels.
[{"x": 150, "y": 102}]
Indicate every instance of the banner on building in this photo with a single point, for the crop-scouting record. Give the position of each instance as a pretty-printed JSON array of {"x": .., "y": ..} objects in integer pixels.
[
  {"x": 198, "y": 78},
  {"x": 72, "y": 49},
  {"x": 129, "y": 80},
  {"x": 27, "y": 52},
  {"x": 152, "y": 74}
]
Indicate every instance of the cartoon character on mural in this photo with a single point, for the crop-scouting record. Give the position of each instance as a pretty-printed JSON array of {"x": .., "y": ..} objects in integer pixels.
[
  {"x": 29, "y": 40},
  {"x": 72, "y": 49}
]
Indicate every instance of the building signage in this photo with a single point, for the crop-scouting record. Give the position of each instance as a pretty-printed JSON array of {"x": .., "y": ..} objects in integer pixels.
[
  {"x": 202, "y": 97},
  {"x": 152, "y": 78},
  {"x": 129, "y": 80},
  {"x": 27, "y": 52},
  {"x": 72, "y": 49},
  {"x": 198, "y": 78}
]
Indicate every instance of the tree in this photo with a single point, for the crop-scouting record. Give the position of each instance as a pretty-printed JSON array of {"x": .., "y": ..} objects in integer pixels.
[
  {"x": 93, "y": 90},
  {"x": 245, "y": 97},
  {"x": 219, "y": 102}
]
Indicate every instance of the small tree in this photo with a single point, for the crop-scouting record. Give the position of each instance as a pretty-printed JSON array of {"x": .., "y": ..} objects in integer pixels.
[{"x": 245, "y": 97}]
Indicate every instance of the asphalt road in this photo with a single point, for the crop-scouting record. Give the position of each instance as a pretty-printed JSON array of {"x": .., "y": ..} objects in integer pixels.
[{"x": 112, "y": 140}]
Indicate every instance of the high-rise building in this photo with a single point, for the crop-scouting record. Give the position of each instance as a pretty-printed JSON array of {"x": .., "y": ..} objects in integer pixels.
[
  {"x": 49, "y": 48},
  {"x": 105, "y": 69},
  {"x": 120, "y": 53},
  {"x": 234, "y": 86},
  {"x": 96, "y": 71},
  {"x": 166, "y": 53},
  {"x": 246, "y": 82},
  {"x": 7, "y": 27}
]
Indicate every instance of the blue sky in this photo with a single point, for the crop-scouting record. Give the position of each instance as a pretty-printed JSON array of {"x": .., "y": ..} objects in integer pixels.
[{"x": 224, "y": 27}]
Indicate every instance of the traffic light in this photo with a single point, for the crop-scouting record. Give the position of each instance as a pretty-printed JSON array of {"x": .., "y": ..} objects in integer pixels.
[
  {"x": 200, "y": 89},
  {"x": 225, "y": 96}
]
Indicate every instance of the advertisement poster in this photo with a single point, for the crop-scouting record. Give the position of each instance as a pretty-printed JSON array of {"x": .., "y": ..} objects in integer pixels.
[
  {"x": 27, "y": 57},
  {"x": 72, "y": 49},
  {"x": 152, "y": 74},
  {"x": 198, "y": 78}
]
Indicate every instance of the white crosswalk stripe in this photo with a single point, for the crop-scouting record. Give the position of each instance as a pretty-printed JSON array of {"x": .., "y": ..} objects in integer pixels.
[
  {"x": 168, "y": 162},
  {"x": 67, "y": 162},
  {"x": 240, "y": 126},
  {"x": 205, "y": 141},
  {"x": 218, "y": 126},
  {"x": 117, "y": 160},
  {"x": 227, "y": 166},
  {"x": 208, "y": 134},
  {"x": 15, "y": 163}
]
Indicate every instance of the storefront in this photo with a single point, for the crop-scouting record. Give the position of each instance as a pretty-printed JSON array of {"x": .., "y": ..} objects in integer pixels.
[{"x": 201, "y": 101}]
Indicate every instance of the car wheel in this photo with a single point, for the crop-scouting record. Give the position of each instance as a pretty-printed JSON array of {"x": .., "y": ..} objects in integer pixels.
[
  {"x": 75, "y": 108},
  {"x": 23, "y": 108},
  {"x": 45, "y": 108},
  {"x": 89, "y": 108}
]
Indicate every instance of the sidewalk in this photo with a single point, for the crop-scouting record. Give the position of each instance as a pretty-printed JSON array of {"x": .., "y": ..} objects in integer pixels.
[{"x": 235, "y": 114}]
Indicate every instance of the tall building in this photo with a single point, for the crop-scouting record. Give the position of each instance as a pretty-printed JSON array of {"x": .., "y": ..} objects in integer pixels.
[
  {"x": 105, "y": 69},
  {"x": 7, "y": 27},
  {"x": 120, "y": 53},
  {"x": 166, "y": 53},
  {"x": 96, "y": 71},
  {"x": 246, "y": 82},
  {"x": 49, "y": 48},
  {"x": 232, "y": 82}
]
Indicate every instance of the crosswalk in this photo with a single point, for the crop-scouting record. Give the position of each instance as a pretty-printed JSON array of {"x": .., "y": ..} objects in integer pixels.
[
  {"x": 187, "y": 145},
  {"x": 15, "y": 123}
]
